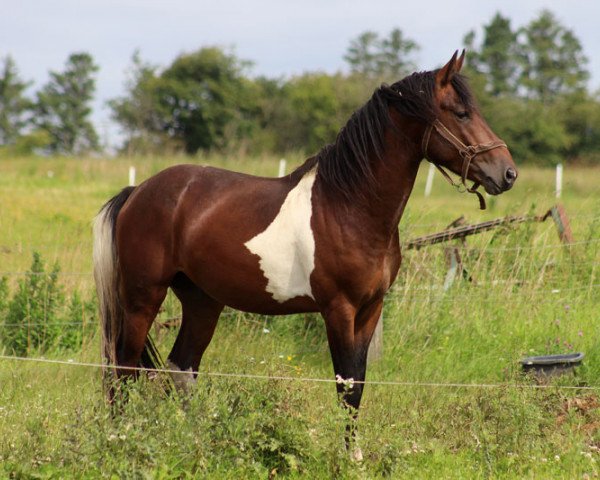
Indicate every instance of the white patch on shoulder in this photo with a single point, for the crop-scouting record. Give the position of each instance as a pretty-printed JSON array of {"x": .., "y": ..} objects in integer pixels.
[{"x": 287, "y": 247}]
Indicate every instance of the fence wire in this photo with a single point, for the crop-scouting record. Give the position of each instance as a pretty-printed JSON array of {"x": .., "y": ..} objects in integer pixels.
[
  {"x": 348, "y": 382},
  {"x": 434, "y": 292}
]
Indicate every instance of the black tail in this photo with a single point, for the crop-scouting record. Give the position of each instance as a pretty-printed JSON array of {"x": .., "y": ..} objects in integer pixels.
[{"x": 151, "y": 356}]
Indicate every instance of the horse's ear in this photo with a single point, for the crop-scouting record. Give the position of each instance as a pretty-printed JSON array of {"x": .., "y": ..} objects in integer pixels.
[
  {"x": 444, "y": 75},
  {"x": 460, "y": 61}
]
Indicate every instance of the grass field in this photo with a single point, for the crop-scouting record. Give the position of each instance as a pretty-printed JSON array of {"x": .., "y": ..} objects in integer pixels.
[{"x": 530, "y": 296}]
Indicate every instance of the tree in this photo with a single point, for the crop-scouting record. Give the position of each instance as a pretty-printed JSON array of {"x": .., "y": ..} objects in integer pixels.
[
  {"x": 530, "y": 84},
  {"x": 497, "y": 58},
  {"x": 63, "y": 107},
  {"x": 202, "y": 101},
  {"x": 386, "y": 58},
  {"x": 552, "y": 59},
  {"x": 580, "y": 114},
  {"x": 137, "y": 112},
  {"x": 395, "y": 55},
  {"x": 307, "y": 111},
  {"x": 313, "y": 106},
  {"x": 13, "y": 103},
  {"x": 208, "y": 101}
]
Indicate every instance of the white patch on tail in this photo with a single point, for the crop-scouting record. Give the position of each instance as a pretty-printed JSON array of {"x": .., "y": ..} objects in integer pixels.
[
  {"x": 287, "y": 247},
  {"x": 105, "y": 275}
]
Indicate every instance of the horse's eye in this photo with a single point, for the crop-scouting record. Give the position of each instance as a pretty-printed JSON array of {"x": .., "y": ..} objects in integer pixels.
[{"x": 462, "y": 114}]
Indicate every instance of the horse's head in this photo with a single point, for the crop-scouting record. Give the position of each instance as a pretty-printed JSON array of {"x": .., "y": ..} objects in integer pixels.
[{"x": 461, "y": 140}]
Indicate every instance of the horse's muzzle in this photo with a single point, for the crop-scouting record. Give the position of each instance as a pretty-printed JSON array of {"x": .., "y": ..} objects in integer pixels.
[{"x": 497, "y": 181}]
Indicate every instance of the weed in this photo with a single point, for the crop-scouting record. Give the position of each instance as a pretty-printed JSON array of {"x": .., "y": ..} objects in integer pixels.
[{"x": 37, "y": 315}]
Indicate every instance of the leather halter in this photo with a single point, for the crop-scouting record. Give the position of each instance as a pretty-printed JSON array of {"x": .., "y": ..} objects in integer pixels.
[{"x": 467, "y": 152}]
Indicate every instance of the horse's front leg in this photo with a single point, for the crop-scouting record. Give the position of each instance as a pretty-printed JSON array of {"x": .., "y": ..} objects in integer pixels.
[{"x": 349, "y": 333}]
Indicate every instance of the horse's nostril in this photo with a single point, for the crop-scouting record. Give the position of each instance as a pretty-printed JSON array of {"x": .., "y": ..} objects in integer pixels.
[{"x": 511, "y": 174}]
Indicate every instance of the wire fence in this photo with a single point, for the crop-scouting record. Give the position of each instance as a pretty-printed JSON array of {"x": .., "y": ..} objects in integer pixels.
[
  {"x": 405, "y": 224},
  {"x": 553, "y": 294},
  {"x": 64, "y": 274},
  {"x": 410, "y": 293},
  {"x": 482, "y": 250},
  {"x": 348, "y": 382},
  {"x": 432, "y": 291},
  {"x": 591, "y": 217}
]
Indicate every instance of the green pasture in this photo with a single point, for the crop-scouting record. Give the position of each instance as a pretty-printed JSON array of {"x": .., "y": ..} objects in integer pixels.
[{"x": 529, "y": 296}]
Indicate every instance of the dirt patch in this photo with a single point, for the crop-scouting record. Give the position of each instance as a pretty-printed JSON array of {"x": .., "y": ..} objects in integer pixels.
[{"x": 583, "y": 407}]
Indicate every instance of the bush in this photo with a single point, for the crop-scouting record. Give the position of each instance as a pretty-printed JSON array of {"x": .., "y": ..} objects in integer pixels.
[
  {"x": 78, "y": 325},
  {"x": 38, "y": 315}
]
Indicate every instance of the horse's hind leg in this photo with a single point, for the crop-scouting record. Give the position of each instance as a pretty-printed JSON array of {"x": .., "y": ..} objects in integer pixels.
[
  {"x": 141, "y": 305},
  {"x": 200, "y": 314}
]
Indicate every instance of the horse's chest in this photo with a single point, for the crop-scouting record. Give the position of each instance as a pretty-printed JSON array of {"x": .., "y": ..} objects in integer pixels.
[{"x": 286, "y": 249}]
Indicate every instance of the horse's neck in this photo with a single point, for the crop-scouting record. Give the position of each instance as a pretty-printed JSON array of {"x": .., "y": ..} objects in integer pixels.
[
  {"x": 376, "y": 211},
  {"x": 395, "y": 174}
]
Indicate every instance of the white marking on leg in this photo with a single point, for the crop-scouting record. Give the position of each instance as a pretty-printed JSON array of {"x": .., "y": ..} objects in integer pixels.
[
  {"x": 356, "y": 455},
  {"x": 287, "y": 247},
  {"x": 184, "y": 381}
]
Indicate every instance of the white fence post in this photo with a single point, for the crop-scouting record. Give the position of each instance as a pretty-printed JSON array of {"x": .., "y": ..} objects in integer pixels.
[
  {"x": 429, "y": 182},
  {"x": 282, "y": 163},
  {"x": 131, "y": 176},
  {"x": 559, "y": 179}
]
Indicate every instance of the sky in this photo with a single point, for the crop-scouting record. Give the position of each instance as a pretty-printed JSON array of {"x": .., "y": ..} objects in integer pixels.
[{"x": 280, "y": 37}]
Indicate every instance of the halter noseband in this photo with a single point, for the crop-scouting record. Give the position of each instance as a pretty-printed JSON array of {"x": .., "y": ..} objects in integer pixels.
[{"x": 467, "y": 152}]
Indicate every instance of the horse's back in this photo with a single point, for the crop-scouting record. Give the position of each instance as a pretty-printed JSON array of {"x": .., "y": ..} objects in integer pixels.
[{"x": 193, "y": 191}]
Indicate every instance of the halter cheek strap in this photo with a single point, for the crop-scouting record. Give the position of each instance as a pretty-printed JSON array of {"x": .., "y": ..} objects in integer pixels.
[{"x": 467, "y": 152}]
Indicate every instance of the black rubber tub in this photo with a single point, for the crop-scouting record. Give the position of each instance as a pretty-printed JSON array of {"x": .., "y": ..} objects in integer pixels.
[{"x": 552, "y": 364}]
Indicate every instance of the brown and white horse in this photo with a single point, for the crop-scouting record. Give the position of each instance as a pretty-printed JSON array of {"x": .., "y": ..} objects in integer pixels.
[{"x": 322, "y": 239}]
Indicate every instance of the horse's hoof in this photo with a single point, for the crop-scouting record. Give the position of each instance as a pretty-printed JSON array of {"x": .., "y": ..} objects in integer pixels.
[
  {"x": 357, "y": 455},
  {"x": 184, "y": 380}
]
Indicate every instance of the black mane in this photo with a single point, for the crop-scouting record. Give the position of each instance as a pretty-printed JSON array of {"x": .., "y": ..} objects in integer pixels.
[{"x": 346, "y": 165}]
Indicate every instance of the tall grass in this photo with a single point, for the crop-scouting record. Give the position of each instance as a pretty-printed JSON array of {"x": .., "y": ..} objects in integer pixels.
[{"x": 528, "y": 295}]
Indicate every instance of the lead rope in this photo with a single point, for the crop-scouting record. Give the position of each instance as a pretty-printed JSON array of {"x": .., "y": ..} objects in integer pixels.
[{"x": 467, "y": 152}]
